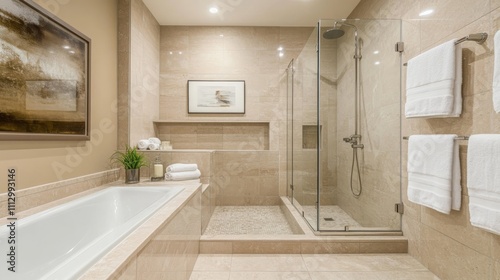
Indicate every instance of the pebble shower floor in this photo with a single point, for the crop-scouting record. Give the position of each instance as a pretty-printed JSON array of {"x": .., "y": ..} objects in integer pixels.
[{"x": 234, "y": 220}]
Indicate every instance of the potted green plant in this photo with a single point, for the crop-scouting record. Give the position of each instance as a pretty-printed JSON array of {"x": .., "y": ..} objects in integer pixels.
[{"x": 132, "y": 160}]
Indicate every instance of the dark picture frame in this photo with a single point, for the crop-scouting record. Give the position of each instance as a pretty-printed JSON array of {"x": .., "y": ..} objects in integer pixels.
[
  {"x": 44, "y": 75},
  {"x": 216, "y": 96}
]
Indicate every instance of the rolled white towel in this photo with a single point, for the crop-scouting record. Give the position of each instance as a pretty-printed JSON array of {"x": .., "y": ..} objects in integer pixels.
[
  {"x": 182, "y": 167},
  {"x": 181, "y": 176},
  {"x": 143, "y": 144},
  {"x": 153, "y": 146},
  {"x": 155, "y": 140}
]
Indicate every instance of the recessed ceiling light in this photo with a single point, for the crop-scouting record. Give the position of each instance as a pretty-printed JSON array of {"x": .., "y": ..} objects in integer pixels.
[
  {"x": 377, "y": 62},
  {"x": 180, "y": 52},
  {"x": 221, "y": 35},
  {"x": 67, "y": 47},
  {"x": 281, "y": 54},
  {"x": 280, "y": 48},
  {"x": 72, "y": 52},
  {"x": 213, "y": 10},
  {"x": 426, "y": 12},
  {"x": 375, "y": 52}
]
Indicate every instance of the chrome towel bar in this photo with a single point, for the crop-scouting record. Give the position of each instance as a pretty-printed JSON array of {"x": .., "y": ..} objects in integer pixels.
[
  {"x": 476, "y": 37},
  {"x": 456, "y": 138}
]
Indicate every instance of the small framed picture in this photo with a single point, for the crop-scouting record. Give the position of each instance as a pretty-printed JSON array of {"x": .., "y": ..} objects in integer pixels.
[{"x": 216, "y": 97}]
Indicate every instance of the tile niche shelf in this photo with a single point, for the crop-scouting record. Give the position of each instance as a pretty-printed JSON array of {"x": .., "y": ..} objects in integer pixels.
[{"x": 214, "y": 135}]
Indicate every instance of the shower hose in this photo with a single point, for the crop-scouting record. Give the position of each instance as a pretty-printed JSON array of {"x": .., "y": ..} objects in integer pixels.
[{"x": 355, "y": 159}]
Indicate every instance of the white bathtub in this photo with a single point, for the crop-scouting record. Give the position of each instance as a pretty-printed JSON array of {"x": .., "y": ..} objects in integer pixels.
[{"x": 63, "y": 242}]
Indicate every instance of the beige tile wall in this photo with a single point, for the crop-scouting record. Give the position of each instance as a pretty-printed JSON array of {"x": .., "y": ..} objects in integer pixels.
[
  {"x": 139, "y": 64},
  {"x": 173, "y": 251},
  {"x": 447, "y": 244},
  {"x": 233, "y": 53},
  {"x": 379, "y": 124},
  {"x": 202, "y": 158},
  {"x": 246, "y": 178},
  {"x": 215, "y": 136}
]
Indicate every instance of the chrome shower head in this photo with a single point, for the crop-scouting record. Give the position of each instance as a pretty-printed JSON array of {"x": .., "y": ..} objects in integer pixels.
[
  {"x": 336, "y": 32},
  {"x": 333, "y": 33}
]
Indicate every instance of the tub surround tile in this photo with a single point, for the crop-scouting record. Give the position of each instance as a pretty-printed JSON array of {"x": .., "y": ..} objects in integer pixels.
[
  {"x": 129, "y": 272},
  {"x": 158, "y": 235},
  {"x": 40, "y": 195}
]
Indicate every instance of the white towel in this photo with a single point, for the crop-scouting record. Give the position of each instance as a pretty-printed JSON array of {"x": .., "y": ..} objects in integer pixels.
[
  {"x": 434, "y": 172},
  {"x": 155, "y": 140},
  {"x": 483, "y": 181},
  {"x": 181, "y": 167},
  {"x": 182, "y": 176},
  {"x": 143, "y": 144},
  {"x": 496, "y": 73},
  {"x": 153, "y": 146},
  {"x": 434, "y": 83}
]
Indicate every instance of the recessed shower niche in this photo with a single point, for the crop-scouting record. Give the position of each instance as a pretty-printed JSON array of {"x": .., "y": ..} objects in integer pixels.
[
  {"x": 215, "y": 135},
  {"x": 310, "y": 136}
]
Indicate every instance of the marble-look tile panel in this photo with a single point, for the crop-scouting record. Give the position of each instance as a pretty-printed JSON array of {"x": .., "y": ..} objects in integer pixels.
[
  {"x": 209, "y": 275},
  {"x": 449, "y": 17},
  {"x": 450, "y": 259}
]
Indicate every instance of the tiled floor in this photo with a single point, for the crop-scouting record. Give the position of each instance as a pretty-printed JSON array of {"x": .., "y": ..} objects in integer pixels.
[
  {"x": 268, "y": 220},
  {"x": 310, "y": 267},
  {"x": 339, "y": 216}
]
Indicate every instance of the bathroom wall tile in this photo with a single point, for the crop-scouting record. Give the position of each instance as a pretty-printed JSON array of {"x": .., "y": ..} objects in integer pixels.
[
  {"x": 496, "y": 271},
  {"x": 442, "y": 253},
  {"x": 457, "y": 226},
  {"x": 449, "y": 17}
]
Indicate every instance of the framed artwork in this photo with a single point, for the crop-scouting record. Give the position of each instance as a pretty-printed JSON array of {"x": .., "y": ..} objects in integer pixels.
[
  {"x": 216, "y": 97},
  {"x": 44, "y": 75}
]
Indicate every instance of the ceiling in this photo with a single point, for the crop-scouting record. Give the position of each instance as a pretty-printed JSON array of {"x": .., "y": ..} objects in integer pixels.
[{"x": 249, "y": 12}]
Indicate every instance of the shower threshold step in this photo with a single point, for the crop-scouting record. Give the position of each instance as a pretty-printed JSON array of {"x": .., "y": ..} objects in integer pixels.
[{"x": 301, "y": 244}]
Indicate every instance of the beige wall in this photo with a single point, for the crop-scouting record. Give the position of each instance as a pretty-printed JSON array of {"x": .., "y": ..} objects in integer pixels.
[
  {"x": 139, "y": 64},
  {"x": 447, "y": 244},
  {"x": 50, "y": 161},
  {"x": 241, "y": 53},
  {"x": 379, "y": 124}
]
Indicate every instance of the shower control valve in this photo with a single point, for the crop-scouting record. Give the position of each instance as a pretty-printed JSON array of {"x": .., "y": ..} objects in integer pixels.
[{"x": 353, "y": 139}]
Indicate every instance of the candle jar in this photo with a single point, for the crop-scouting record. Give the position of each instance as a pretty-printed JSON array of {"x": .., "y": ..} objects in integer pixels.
[{"x": 156, "y": 170}]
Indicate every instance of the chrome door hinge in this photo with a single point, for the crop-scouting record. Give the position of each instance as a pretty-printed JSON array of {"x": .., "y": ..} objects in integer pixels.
[
  {"x": 400, "y": 47},
  {"x": 399, "y": 208}
]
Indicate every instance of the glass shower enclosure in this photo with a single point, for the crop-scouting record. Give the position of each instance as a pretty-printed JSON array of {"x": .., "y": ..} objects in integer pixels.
[{"x": 344, "y": 127}]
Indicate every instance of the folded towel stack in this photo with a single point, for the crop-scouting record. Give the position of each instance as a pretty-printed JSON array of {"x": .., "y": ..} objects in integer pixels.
[
  {"x": 483, "y": 181},
  {"x": 434, "y": 172},
  {"x": 181, "y": 172},
  {"x": 434, "y": 83},
  {"x": 152, "y": 143}
]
